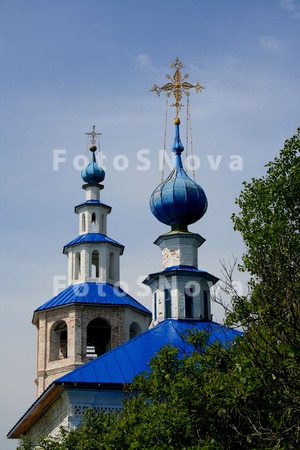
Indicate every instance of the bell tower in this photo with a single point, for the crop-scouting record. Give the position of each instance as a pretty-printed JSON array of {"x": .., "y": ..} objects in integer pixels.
[{"x": 93, "y": 314}]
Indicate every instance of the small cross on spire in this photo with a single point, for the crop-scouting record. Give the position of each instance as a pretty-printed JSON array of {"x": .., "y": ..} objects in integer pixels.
[
  {"x": 93, "y": 135},
  {"x": 177, "y": 85}
]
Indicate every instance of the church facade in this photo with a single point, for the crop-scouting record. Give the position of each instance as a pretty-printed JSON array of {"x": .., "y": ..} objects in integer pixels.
[{"x": 93, "y": 337}]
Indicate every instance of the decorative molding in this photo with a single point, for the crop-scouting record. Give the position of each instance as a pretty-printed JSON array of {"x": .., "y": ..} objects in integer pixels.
[{"x": 79, "y": 410}]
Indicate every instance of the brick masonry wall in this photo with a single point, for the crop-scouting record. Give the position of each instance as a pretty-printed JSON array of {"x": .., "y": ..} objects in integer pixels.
[{"x": 77, "y": 318}]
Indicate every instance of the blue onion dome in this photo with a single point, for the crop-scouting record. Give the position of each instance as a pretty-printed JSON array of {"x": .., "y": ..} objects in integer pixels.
[
  {"x": 93, "y": 174},
  {"x": 178, "y": 201}
]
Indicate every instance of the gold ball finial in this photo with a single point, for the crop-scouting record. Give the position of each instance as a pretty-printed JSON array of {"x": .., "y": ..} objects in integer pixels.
[
  {"x": 93, "y": 148},
  {"x": 176, "y": 121}
]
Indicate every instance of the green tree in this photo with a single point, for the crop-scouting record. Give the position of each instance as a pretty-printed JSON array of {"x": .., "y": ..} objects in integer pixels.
[
  {"x": 169, "y": 407},
  {"x": 269, "y": 221}
]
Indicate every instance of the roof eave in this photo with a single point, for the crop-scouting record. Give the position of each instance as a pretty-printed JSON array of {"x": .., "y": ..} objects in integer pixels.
[
  {"x": 82, "y": 205},
  {"x": 154, "y": 276},
  {"x": 90, "y": 385},
  {"x": 120, "y": 246},
  {"x": 36, "y": 410},
  {"x": 182, "y": 234},
  {"x": 144, "y": 311}
]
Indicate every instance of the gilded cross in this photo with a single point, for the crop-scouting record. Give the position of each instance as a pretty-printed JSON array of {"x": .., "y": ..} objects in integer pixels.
[{"x": 177, "y": 85}]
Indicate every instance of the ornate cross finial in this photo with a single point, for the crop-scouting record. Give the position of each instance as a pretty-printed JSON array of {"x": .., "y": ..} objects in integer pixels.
[
  {"x": 92, "y": 135},
  {"x": 177, "y": 85}
]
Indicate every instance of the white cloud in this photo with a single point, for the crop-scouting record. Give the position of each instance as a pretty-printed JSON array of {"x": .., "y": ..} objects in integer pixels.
[
  {"x": 143, "y": 60},
  {"x": 291, "y": 6},
  {"x": 270, "y": 43}
]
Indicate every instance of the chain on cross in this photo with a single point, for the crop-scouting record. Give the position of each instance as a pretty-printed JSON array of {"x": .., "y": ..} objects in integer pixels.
[{"x": 177, "y": 85}]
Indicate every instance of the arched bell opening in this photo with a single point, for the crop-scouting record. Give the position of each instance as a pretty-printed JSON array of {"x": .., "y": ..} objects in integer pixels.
[
  {"x": 59, "y": 341},
  {"x": 98, "y": 338},
  {"x": 95, "y": 264},
  {"x": 77, "y": 274},
  {"x": 134, "y": 330}
]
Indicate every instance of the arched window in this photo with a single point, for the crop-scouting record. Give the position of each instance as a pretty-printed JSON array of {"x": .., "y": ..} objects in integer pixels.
[
  {"x": 77, "y": 266},
  {"x": 95, "y": 264},
  {"x": 111, "y": 271},
  {"x": 205, "y": 305},
  {"x": 93, "y": 222},
  {"x": 168, "y": 304},
  {"x": 83, "y": 223},
  {"x": 59, "y": 341},
  {"x": 102, "y": 224},
  {"x": 155, "y": 307},
  {"x": 134, "y": 330},
  {"x": 189, "y": 304},
  {"x": 98, "y": 337}
]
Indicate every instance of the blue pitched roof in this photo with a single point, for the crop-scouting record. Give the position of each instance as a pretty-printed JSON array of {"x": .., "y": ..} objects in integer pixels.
[
  {"x": 91, "y": 237},
  {"x": 93, "y": 293},
  {"x": 123, "y": 363}
]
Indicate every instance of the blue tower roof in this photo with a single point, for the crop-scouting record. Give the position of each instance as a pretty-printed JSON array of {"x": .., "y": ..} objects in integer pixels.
[
  {"x": 91, "y": 237},
  {"x": 93, "y": 293},
  {"x": 182, "y": 270},
  {"x": 178, "y": 200}
]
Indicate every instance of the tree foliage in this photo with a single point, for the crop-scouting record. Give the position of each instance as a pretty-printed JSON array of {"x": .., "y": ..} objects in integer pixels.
[
  {"x": 240, "y": 396},
  {"x": 269, "y": 221}
]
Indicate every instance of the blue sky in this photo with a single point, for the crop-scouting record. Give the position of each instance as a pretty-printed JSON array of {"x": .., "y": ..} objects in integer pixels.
[{"x": 69, "y": 65}]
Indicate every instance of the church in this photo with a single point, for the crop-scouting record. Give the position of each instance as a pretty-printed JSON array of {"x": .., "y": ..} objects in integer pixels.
[{"x": 93, "y": 337}]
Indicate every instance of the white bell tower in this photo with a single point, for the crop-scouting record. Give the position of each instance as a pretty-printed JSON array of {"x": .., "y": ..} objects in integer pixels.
[
  {"x": 93, "y": 314},
  {"x": 93, "y": 256}
]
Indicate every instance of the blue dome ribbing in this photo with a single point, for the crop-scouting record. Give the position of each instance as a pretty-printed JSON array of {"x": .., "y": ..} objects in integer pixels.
[
  {"x": 93, "y": 174},
  {"x": 178, "y": 199}
]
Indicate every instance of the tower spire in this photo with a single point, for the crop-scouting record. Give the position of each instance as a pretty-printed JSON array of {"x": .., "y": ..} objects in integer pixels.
[
  {"x": 177, "y": 86},
  {"x": 92, "y": 315},
  {"x": 178, "y": 201},
  {"x": 93, "y": 173}
]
